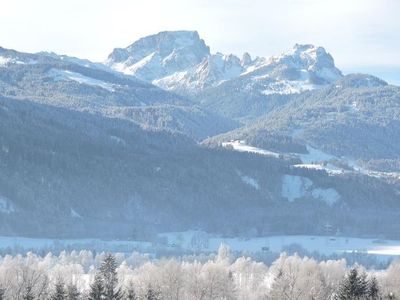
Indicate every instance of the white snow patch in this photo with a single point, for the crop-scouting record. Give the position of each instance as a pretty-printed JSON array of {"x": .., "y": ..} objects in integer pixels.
[
  {"x": 82, "y": 79},
  {"x": 287, "y": 87},
  {"x": 4, "y": 61},
  {"x": 241, "y": 146},
  {"x": 118, "y": 140},
  {"x": 329, "y": 168},
  {"x": 74, "y": 214},
  {"x": 170, "y": 82},
  {"x": 295, "y": 187},
  {"x": 6, "y": 206},
  {"x": 354, "y": 107},
  {"x": 387, "y": 251},
  {"x": 315, "y": 155},
  {"x": 329, "y": 196},
  {"x": 250, "y": 181}
]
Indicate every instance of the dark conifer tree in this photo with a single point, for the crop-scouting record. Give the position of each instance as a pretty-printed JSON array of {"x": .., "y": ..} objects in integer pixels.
[
  {"x": 353, "y": 286},
  {"x": 97, "y": 288},
  {"x": 373, "y": 289},
  {"x": 108, "y": 272}
]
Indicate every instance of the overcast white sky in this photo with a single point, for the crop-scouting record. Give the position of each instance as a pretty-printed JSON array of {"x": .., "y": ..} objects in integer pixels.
[{"x": 358, "y": 33}]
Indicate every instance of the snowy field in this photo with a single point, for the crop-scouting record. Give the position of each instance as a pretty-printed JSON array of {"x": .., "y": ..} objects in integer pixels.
[
  {"x": 201, "y": 242},
  {"x": 323, "y": 244}
]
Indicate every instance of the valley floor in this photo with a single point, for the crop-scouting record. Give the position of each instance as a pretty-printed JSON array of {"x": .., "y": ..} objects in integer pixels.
[{"x": 200, "y": 242}]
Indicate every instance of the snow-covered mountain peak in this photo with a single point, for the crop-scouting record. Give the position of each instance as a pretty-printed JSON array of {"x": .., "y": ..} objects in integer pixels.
[
  {"x": 182, "y": 62},
  {"x": 303, "y": 53},
  {"x": 246, "y": 59},
  {"x": 160, "y": 55},
  {"x": 306, "y": 58}
]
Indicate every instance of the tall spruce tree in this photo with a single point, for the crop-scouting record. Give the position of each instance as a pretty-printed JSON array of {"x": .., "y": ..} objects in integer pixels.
[
  {"x": 59, "y": 292},
  {"x": 108, "y": 272},
  {"x": 2, "y": 292},
  {"x": 97, "y": 288},
  {"x": 373, "y": 289}
]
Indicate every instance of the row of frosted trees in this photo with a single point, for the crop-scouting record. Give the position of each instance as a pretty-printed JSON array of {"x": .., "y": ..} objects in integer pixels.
[{"x": 83, "y": 275}]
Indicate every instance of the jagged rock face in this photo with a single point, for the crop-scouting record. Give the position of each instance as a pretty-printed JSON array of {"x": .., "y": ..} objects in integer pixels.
[
  {"x": 213, "y": 70},
  {"x": 160, "y": 55},
  {"x": 305, "y": 62},
  {"x": 180, "y": 61}
]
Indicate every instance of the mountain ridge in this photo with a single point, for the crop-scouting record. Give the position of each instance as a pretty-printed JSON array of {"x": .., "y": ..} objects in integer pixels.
[{"x": 301, "y": 68}]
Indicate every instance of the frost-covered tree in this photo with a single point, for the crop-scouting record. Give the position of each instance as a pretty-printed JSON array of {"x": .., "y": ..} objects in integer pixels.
[
  {"x": 214, "y": 277},
  {"x": 72, "y": 292},
  {"x": 131, "y": 294},
  {"x": 171, "y": 279},
  {"x": 28, "y": 294},
  {"x": 294, "y": 277},
  {"x": 152, "y": 294},
  {"x": 2, "y": 292},
  {"x": 108, "y": 272},
  {"x": 59, "y": 292}
]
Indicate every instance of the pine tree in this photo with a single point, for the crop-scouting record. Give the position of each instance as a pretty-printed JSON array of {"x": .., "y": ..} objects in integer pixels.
[
  {"x": 72, "y": 292},
  {"x": 108, "y": 271},
  {"x": 373, "y": 289},
  {"x": 2, "y": 292},
  {"x": 59, "y": 292},
  {"x": 353, "y": 286},
  {"x": 97, "y": 288},
  {"x": 363, "y": 284},
  {"x": 28, "y": 295}
]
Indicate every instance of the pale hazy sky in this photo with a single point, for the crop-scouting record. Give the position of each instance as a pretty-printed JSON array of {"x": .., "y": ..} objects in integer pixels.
[{"x": 358, "y": 33}]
